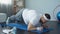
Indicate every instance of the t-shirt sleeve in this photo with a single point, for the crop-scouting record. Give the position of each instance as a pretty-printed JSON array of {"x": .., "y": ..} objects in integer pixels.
[{"x": 34, "y": 20}]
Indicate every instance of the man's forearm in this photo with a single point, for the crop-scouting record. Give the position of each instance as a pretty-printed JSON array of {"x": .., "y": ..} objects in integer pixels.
[
  {"x": 32, "y": 28},
  {"x": 37, "y": 28}
]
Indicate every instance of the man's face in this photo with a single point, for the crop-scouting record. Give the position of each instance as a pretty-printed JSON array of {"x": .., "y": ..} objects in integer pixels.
[{"x": 43, "y": 20}]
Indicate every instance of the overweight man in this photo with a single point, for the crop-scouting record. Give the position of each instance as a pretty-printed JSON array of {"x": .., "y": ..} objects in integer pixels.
[{"x": 31, "y": 18}]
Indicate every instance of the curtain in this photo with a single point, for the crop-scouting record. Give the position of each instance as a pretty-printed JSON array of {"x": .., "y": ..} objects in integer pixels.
[{"x": 6, "y": 6}]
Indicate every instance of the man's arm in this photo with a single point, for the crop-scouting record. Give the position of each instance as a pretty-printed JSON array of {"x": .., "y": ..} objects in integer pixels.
[{"x": 31, "y": 27}]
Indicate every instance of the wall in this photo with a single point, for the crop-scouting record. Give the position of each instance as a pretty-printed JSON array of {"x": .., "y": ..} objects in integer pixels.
[{"x": 42, "y": 6}]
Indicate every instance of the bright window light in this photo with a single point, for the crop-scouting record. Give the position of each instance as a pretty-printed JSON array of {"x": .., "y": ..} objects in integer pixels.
[{"x": 5, "y": 1}]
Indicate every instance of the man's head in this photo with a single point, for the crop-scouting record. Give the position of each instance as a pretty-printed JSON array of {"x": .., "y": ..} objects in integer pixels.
[{"x": 45, "y": 18}]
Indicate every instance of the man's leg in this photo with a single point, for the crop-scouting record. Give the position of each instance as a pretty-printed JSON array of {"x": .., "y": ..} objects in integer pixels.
[{"x": 12, "y": 19}]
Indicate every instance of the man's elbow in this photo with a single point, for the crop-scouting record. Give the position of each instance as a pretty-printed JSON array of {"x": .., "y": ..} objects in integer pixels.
[{"x": 28, "y": 29}]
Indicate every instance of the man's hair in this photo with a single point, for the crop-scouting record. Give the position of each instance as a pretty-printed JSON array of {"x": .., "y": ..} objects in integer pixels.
[{"x": 47, "y": 16}]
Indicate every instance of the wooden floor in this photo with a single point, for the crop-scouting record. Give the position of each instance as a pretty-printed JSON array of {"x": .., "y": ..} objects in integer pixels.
[{"x": 54, "y": 25}]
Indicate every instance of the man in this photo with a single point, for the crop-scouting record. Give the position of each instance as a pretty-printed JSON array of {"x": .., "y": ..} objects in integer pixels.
[{"x": 32, "y": 19}]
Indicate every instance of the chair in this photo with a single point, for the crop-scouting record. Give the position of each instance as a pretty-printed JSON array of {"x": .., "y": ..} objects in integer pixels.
[{"x": 3, "y": 17}]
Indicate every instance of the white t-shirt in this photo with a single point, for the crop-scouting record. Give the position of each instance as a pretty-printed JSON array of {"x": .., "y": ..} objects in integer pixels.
[{"x": 31, "y": 16}]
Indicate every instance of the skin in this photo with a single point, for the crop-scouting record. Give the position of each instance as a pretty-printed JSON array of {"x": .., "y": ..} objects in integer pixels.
[{"x": 31, "y": 27}]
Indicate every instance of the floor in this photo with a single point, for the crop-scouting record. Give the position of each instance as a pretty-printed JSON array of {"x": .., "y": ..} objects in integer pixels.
[
  {"x": 1, "y": 30},
  {"x": 54, "y": 25}
]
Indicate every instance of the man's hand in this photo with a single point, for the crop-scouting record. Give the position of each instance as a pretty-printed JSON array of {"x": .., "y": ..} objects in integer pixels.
[{"x": 40, "y": 28}]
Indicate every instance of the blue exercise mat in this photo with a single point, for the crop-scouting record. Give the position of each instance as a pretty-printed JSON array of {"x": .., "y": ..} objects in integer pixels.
[{"x": 24, "y": 27}]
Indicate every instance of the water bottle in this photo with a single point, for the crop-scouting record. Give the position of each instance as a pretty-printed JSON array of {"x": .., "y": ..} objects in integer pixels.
[
  {"x": 7, "y": 21},
  {"x": 14, "y": 30}
]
